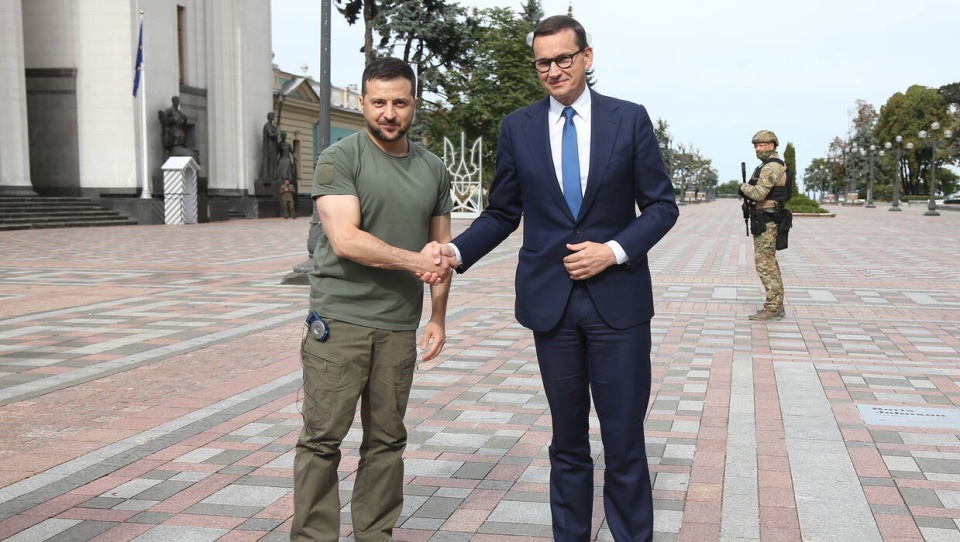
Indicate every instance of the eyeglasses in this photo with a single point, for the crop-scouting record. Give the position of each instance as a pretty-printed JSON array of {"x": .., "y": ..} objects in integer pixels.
[{"x": 563, "y": 62}]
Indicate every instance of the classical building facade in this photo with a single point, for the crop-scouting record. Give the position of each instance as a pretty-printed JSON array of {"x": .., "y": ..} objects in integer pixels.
[{"x": 70, "y": 125}]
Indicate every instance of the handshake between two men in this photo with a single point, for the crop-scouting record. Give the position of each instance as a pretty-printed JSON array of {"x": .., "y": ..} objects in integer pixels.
[
  {"x": 585, "y": 261},
  {"x": 438, "y": 264}
]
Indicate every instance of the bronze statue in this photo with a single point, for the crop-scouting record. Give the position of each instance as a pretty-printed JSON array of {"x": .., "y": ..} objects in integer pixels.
[
  {"x": 271, "y": 152},
  {"x": 174, "y": 130},
  {"x": 287, "y": 165}
]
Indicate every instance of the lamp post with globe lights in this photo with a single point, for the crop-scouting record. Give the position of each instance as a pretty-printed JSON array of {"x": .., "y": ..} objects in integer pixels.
[
  {"x": 850, "y": 166},
  {"x": 864, "y": 155},
  {"x": 898, "y": 156},
  {"x": 934, "y": 143},
  {"x": 871, "y": 154}
]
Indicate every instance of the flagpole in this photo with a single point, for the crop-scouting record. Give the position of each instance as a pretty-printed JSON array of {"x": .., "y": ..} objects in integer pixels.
[{"x": 145, "y": 193}]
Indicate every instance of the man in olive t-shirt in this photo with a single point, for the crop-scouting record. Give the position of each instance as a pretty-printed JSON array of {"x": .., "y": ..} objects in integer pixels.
[
  {"x": 381, "y": 198},
  {"x": 398, "y": 196}
]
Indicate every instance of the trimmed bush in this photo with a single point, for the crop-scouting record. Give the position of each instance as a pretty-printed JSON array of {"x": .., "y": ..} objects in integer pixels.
[{"x": 800, "y": 203}]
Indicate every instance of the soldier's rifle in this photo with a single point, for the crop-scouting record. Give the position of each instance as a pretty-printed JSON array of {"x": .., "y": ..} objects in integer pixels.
[{"x": 747, "y": 205}]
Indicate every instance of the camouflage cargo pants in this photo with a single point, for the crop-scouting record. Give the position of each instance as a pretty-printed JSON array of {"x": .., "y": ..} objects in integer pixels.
[{"x": 765, "y": 254}]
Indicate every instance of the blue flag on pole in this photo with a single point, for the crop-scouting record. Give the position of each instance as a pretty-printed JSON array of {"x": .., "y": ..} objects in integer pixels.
[{"x": 136, "y": 75}]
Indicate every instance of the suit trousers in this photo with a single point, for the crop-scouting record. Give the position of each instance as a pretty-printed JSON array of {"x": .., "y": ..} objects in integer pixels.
[
  {"x": 583, "y": 356},
  {"x": 373, "y": 366}
]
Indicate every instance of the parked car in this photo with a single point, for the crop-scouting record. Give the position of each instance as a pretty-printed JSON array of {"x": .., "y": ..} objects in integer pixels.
[{"x": 952, "y": 198}]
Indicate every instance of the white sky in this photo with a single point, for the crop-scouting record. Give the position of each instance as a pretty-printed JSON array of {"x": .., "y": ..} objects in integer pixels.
[{"x": 716, "y": 70}]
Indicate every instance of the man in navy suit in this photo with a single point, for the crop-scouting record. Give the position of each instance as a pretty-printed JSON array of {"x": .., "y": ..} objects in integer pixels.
[{"x": 583, "y": 283}]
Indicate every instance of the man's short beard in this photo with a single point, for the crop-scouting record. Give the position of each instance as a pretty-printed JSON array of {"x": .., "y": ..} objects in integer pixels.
[{"x": 378, "y": 133}]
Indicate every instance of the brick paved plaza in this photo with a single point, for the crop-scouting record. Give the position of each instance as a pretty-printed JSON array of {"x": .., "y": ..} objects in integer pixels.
[{"x": 149, "y": 387}]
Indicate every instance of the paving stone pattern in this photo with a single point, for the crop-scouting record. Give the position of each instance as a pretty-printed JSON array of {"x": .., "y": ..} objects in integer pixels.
[{"x": 149, "y": 388}]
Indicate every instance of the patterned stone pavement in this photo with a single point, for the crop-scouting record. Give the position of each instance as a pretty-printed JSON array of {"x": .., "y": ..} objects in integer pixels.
[{"x": 149, "y": 387}]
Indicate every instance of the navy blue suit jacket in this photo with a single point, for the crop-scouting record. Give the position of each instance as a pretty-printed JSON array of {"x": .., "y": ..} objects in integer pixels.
[{"x": 626, "y": 169}]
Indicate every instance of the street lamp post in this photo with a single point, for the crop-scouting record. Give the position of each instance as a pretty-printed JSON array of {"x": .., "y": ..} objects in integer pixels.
[
  {"x": 934, "y": 142},
  {"x": 896, "y": 183},
  {"x": 872, "y": 154},
  {"x": 864, "y": 154},
  {"x": 851, "y": 179}
]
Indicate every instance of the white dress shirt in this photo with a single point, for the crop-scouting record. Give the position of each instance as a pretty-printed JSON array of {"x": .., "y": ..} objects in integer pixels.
[{"x": 583, "y": 107}]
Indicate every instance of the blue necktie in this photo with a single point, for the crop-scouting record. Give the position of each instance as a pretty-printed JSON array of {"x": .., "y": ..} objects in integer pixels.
[{"x": 570, "y": 163}]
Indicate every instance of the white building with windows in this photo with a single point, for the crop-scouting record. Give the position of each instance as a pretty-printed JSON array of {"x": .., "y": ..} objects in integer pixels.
[{"x": 70, "y": 125}]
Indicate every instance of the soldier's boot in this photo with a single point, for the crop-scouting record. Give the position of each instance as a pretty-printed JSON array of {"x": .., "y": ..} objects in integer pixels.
[{"x": 765, "y": 314}]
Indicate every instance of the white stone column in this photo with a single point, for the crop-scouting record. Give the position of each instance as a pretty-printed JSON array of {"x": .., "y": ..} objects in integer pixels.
[
  {"x": 222, "y": 74},
  {"x": 106, "y": 109},
  {"x": 14, "y": 141},
  {"x": 257, "y": 75},
  {"x": 239, "y": 72}
]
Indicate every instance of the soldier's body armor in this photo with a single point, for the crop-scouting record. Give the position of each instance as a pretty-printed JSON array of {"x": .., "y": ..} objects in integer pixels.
[{"x": 778, "y": 193}]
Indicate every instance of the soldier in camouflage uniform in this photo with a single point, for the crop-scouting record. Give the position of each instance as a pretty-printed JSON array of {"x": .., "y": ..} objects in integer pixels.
[{"x": 765, "y": 188}]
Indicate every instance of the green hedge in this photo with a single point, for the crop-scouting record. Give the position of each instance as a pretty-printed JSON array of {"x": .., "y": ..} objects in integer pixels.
[{"x": 802, "y": 204}]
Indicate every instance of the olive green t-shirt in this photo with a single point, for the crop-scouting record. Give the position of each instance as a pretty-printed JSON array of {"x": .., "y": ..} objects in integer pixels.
[{"x": 398, "y": 196}]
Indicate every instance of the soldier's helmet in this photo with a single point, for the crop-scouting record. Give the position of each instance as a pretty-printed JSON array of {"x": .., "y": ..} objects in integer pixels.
[{"x": 765, "y": 136}]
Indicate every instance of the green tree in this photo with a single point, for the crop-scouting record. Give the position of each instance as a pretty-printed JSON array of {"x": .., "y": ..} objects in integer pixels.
[
  {"x": 798, "y": 203},
  {"x": 532, "y": 12},
  {"x": 729, "y": 188},
  {"x": 432, "y": 35},
  {"x": 683, "y": 163},
  {"x": 790, "y": 159},
  {"x": 693, "y": 172},
  {"x": 906, "y": 114},
  {"x": 863, "y": 124},
  {"x": 497, "y": 81},
  {"x": 951, "y": 93},
  {"x": 819, "y": 177},
  {"x": 661, "y": 130},
  {"x": 354, "y": 10},
  {"x": 849, "y": 165},
  {"x": 837, "y": 160}
]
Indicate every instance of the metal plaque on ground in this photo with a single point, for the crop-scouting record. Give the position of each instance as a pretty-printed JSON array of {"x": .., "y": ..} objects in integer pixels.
[{"x": 940, "y": 418}]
